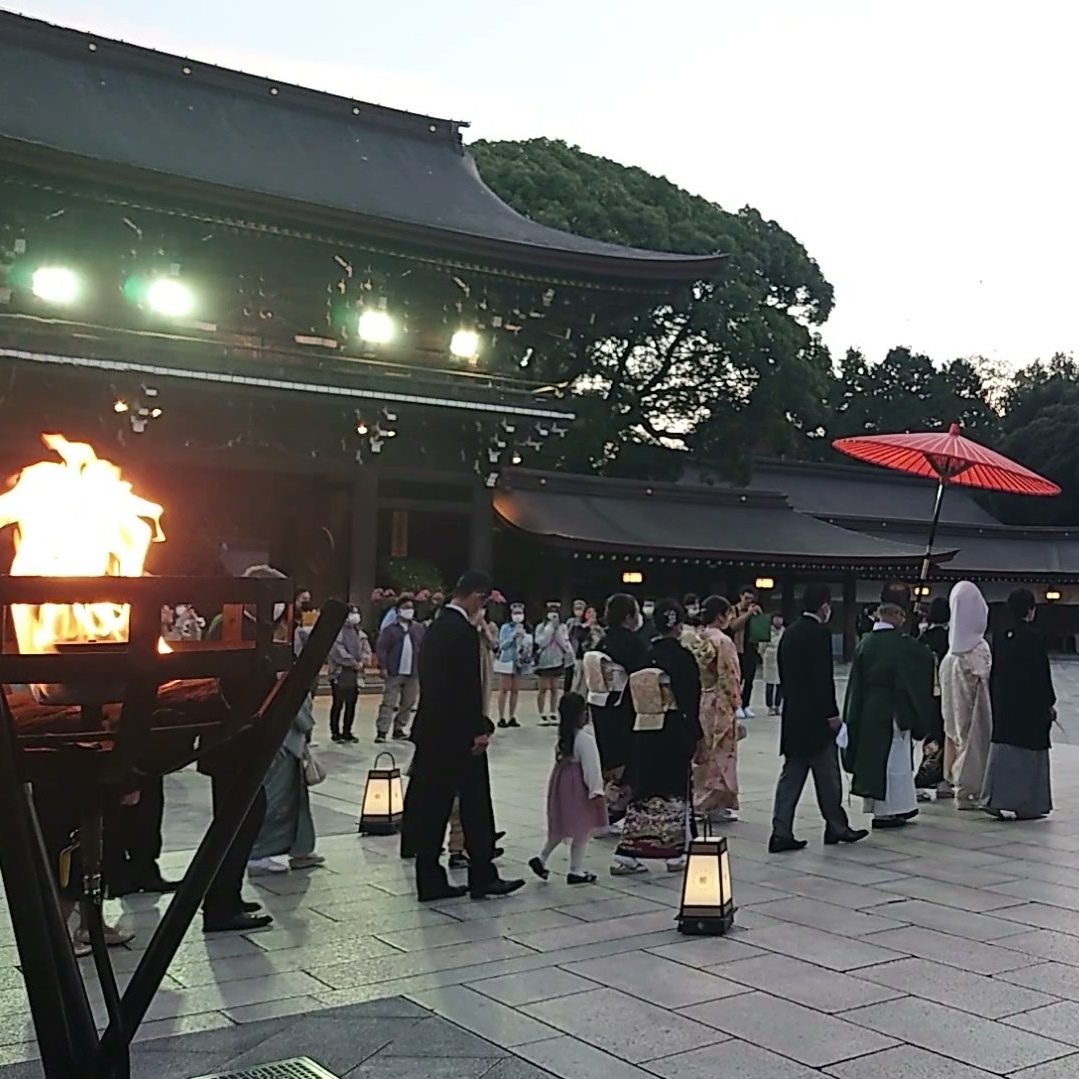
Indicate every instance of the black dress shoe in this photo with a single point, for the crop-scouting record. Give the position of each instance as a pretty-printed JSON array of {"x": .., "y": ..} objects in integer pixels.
[
  {"x": 499, "y": 835},
  {"x": 458, "y": 861},
  {"x": 849, "y": 835},
  {"x": 513, "y": 723},
  {"x": 156, "y": 885},
  {"x": 496, "y": 888},
  {"x": 236, "y": 923},
  {"x": 503, "y": 724},
  {"x": 780, "y": 844},
  {"x": 447, "y": 891},
  {"x": 888, "y": 822},
  {"x": 250, "y": 908}
]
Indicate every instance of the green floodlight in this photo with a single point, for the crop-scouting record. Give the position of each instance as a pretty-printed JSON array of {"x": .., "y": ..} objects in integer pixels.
[
  {"x": 169, "y": 297},
  {"x": 55, "y": 284}
]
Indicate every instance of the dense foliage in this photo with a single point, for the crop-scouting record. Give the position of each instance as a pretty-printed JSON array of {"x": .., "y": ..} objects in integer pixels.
[{"x": 735, "y": 366}]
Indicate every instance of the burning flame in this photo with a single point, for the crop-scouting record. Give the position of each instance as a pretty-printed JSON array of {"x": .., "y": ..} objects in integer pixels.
[{"x": 77, "y": 518}]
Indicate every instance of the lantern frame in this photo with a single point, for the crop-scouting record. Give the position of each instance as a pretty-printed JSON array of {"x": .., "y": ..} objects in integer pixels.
[
  {"x": 388, "y": 823},
  {"x": 699, "y": 919}
]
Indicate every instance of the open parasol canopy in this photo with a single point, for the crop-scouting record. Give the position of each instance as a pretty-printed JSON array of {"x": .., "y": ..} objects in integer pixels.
[{"x": 948, "y": 458}]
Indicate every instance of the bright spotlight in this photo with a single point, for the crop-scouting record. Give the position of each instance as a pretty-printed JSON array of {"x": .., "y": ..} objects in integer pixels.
[
  {"x": 120, "y": 406},
  {"x": 376, "y": 327},
  {"x": 170, "y": 297},
  {"x": 55, "y": 284},
  {"x": 465, "y": 344}
]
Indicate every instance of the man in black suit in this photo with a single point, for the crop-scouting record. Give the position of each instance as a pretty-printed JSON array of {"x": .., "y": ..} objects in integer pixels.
[
  {"x": 451, "y": 734},
  {"x": 810, "y": 723}
]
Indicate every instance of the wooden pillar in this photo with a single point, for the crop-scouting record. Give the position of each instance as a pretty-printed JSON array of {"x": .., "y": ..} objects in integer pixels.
[
  {"x": 363, "y": 534},
  {"x": 481, "y": 532},
  {"x": 850, "y": 615}
]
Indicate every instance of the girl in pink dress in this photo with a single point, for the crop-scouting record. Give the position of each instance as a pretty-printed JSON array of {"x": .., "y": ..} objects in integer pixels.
[
  {"x": 715, "y": 765},
  {"x": 576, "y": 797}
]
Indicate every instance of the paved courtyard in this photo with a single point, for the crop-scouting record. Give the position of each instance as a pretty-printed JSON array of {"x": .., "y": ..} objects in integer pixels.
[{"x": 950, "y": 948}]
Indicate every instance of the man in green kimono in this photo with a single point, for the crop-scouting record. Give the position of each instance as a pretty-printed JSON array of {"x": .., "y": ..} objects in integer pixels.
[{"x": 888, "y": 702}]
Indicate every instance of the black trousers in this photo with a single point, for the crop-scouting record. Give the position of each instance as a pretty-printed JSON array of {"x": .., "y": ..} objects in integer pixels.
[
  {"x": 223, "y": 897},
  {"x": 431, "y": 791},
  {"x": 773, "y": 695},
  {"x": 343, "y": 708},
  {"x": 829, "y": 786},
  {"x": 133, "y": 836},
  {"x": 748, "y": 660}
]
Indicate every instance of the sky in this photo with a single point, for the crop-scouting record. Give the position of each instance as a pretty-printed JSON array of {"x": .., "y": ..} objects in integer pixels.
[{"x": 923, "y": 152}]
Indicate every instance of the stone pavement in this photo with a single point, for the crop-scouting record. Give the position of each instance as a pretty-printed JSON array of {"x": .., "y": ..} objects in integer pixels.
[{"x": 951, "y": 947}]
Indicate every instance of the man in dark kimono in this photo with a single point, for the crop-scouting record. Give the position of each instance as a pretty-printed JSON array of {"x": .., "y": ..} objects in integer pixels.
[
  {"x": 889, "y": 697},
  {"x": 451, "y": 734},
  {"x": 809, "y": 727}
]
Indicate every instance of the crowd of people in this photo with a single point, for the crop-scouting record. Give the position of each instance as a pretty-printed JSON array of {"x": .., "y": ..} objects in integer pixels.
[{"x": 649, "y": 701}]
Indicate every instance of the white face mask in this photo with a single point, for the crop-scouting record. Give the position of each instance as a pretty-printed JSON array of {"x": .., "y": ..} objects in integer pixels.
[
  {"x": 406, "y": 614},
  {"x": 353, "y": 618},
  {"x": 693, "y": 611},
  {"x": 552, "y": 616},
  {"x": 648, "y": 608},
  {"x": 518, "y": 617},
  {"x": 278, "y": 611}
]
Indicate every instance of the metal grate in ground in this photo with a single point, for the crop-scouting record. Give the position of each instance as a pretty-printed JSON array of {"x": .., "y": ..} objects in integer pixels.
[{"x": 298, "y": 1068}]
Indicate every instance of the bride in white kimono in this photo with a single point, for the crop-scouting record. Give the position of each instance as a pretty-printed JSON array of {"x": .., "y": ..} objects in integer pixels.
[{"x": 964, "y": 690}]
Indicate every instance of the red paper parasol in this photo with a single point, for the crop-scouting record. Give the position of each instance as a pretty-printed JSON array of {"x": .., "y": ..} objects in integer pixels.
[{"x": 948, "y": 458}]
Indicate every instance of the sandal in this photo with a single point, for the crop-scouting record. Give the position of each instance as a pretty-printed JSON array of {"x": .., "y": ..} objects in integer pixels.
[
  {"x": 114, "y": 938},
  {"x": 627, "y": 869},
  {"x": 582, "y": 878}
]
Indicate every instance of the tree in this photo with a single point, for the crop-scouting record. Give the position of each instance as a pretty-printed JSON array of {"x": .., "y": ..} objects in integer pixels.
[
  {"x": 1041, "y": 425},
  {"x": 907, "y": 391},
  {"x": 1047, "y": 444},
  {"x": 727, "y": 367}
]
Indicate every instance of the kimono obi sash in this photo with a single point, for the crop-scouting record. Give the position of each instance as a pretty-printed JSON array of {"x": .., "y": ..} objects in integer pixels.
[
  {"x": 653, "y": 698},
  {"x": 602, "y": 678}
]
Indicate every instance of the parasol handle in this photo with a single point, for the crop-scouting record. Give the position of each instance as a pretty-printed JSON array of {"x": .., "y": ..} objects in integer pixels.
[{"x": 927, "y": 559}]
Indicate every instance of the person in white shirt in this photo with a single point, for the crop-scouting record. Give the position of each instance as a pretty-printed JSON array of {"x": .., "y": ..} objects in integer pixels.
[{"x": 576, "y": 795}]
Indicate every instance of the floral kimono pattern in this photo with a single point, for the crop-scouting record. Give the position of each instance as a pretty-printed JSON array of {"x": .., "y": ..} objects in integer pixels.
[{"x": 715, "y": 764}]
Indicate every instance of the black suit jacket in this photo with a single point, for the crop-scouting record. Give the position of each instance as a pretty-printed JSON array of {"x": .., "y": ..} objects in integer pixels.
[
  {"x": 450, "y": 714},
  {"x": 805, "y": 671}
]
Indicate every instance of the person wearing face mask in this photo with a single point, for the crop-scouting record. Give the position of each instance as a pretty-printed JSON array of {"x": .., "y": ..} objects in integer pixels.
[
  {"x": 575, "y": 637},
  {"x": 552, "y": 651},
  {"x": 398, "y": 651},
  {"x": 809, "y": 727},
  {"x": 345, "y": 665},
  {"x": 887, "y": 706},
  {"x": 648, "y": 626},
  {"x": 302, "y": 605},
  {"x": 513, "y": 662}
]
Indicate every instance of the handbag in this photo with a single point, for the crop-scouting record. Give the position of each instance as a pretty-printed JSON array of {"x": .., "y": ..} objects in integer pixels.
[{"x": 313, "y": 772}]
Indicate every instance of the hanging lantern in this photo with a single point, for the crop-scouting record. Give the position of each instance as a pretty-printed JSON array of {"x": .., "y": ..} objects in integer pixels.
[
  {"x": 707, "y": 903},
  {"x": 383, "y": 800}
]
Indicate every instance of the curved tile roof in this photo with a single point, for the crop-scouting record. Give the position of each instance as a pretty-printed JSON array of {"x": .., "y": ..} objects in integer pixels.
[{"x": 107, "y": 103}]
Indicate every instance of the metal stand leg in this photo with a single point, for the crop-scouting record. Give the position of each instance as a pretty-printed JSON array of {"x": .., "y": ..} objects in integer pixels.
[
  {"x": 62, "y": 1017},
  {"x": 146, "y": 980}
]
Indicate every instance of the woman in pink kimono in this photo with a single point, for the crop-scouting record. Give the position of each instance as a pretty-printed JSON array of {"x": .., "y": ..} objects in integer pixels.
[{"x": 715, "y": 765}]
